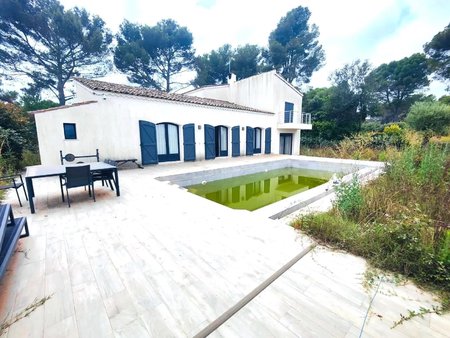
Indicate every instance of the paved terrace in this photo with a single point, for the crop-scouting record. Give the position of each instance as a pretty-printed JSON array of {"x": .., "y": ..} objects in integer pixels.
[{"x": 161, "y": 262}]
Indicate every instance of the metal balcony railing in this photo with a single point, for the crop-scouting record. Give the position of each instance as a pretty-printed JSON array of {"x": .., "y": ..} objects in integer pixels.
[{"x": 294, "y": 117}]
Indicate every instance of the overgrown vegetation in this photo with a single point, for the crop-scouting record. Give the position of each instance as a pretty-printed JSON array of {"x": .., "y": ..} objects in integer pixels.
[{"x": 399, "y": 222}]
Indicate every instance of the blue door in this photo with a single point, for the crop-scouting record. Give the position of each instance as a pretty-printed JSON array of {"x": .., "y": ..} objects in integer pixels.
[
  {"x": 149, "y": 151},
  {"x": 189, "y": 142},
  {"x": 249, "y": 141},
  {"x": 268, "y": 141},
  {"x": 210, "y": 144},
  {"x": 235, "y": 141}
]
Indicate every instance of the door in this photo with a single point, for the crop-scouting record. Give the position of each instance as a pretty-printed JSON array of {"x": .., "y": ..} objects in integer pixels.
[
  {"x": 286, "y": 144},
  {"x": 210, "y": 144},
  {"x": 221, "y": 139},
  {"x": 268, "y": 141},
  {"x": 189, "y": 142},
  {"x": 235, "y": 141},
  {"x": 167, "y": 142},
  {"x": 288, "y": 112},
  {"x": 249, "y": 141},
  {"x": 149, "y": 152}
]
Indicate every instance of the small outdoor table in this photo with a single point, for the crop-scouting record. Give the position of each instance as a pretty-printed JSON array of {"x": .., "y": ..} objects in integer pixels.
[{"x": 39, "y": 171}]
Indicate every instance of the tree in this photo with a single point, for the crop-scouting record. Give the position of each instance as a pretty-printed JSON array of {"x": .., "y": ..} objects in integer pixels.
[
  {"x": 353, "y": 77},
  {"x": 245, "y": 62},
  {"x": 13, "y": 125},
  {"x": 429, "y": 116},
  {"x": 395, "y": 83},
  {"x": 213, "y": 68},
  {"x": 339, "y": 111},
  {"x": 152, "y": 56},
  {"x": 7, "y": 96},
  {"x": 49, "y": 44},
  {"x": 294, "y": 49},
  {"x": 438, "y": 49},
  {"x": 31, "y": 100}
]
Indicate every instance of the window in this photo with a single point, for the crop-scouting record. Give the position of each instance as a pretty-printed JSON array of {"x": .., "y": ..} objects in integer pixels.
[
  {"x": 288, "y": 112},
  {"x": 257, "y": 141},
  {"x": 70, "y": 131},
  {"x": 167, "y": 142}
]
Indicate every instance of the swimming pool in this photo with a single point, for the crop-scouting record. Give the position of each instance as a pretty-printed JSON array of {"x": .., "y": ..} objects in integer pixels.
[
  {"x": 300, "y": 199},
  {"x": 254, "y": 191}
]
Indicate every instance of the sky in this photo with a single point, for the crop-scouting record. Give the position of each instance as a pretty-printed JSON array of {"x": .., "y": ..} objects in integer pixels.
[{"x": 378, "y": 30}]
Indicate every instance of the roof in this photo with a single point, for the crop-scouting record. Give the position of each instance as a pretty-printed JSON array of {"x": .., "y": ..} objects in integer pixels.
[
  {"x": 157, "y": 94},
  {"x": 62, "y": 107}
]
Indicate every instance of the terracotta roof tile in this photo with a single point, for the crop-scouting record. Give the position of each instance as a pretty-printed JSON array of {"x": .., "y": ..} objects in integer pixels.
[
  {"x": 156, "y": 94},
  {"x": 61, "y": 107}
]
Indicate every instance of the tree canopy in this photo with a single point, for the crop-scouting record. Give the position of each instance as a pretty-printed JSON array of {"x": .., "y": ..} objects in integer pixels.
[
  {"x": 294, "y": 49},
  {"x": 49, "y": 44},
  {"x": 152, "y": 56},
  {"x": 438, "y": 49},
  {"x": 395, "y": 83},
  {"x": 213, "y": 68}
]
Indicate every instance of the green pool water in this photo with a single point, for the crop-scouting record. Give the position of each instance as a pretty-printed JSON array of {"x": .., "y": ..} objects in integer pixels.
[{"x": 251, "y": 192}]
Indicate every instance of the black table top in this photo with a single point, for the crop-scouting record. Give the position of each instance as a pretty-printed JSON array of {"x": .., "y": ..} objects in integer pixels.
[{"x": 54, "y": 170}]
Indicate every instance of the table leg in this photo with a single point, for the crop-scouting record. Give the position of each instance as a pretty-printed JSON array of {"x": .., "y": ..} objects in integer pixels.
[
  {"x": 116, "y": 181},
  {"x": 30, "y": 190}
]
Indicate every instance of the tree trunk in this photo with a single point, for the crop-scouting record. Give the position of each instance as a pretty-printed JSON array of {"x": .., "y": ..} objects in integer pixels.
[{"x": 61, "y": 96}]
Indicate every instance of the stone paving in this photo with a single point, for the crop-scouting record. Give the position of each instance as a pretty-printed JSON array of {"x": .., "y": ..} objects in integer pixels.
[{"x": 161, "y": 262}]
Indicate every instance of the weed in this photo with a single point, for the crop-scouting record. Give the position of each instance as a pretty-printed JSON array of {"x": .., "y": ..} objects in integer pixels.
[
  {"x": 22, "y": 314},
  {"x": 349, "y": 199}
]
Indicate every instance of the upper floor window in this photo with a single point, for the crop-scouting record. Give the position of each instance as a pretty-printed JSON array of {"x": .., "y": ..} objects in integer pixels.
[
  {"x": 70, "y": 131},
  {"x": 288, "y": 112}
]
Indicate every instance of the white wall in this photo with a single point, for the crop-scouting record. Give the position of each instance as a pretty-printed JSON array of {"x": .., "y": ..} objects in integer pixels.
[
  {"x": 266, "y": 91},
  {"x": 112, "y": 126}
]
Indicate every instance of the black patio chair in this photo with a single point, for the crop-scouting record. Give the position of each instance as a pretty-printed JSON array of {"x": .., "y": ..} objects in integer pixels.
[
  {"x": 13, "y": 182},
  {"x": 77, "y": 176}
]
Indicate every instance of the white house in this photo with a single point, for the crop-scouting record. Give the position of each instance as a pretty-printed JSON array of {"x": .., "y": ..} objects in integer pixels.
[{"x": 260, "y": 114}]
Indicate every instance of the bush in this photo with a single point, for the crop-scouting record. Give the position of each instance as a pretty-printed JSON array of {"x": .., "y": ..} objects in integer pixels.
[
  {"x": 399, "y": 222},
  {"x": 376, "y": 126},
  {"x": 30, "y": 158},
  {"x": 349, "y": 199},
  {"x": 434, "y": 116}
]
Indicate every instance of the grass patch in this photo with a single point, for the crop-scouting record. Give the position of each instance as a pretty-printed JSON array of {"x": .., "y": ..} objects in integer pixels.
[{"x": 399, "y": 222}]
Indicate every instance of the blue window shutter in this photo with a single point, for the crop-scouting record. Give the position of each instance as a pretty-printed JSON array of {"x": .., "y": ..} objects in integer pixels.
[
  {"x": 268, "y": 141},
  {"x": 210, "y": 144},
  {"x": 249, "y": 141},
  {"x": 149, "y": 152},
  {"x": 235, "y": 141},
  {"x": 189, "y": 142}
]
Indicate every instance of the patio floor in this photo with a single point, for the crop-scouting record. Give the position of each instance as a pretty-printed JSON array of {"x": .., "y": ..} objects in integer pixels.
[{"x": 161, "y": 262}]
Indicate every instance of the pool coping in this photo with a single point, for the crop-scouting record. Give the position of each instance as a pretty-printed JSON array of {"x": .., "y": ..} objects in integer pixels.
[{"x": 361, "y": 169}]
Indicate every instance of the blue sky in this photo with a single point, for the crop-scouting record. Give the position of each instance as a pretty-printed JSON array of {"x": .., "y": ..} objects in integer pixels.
[{"x": 377, "y": 30}]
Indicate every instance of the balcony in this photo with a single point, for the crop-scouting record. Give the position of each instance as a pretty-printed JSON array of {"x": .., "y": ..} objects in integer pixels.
[{"x": 294, "y": 120}]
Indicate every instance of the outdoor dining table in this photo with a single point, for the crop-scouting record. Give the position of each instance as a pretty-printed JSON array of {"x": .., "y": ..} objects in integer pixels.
[{"x": 39, "y": 171}]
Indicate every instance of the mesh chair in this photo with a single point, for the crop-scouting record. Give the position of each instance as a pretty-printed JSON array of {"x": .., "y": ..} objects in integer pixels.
[
  {"x": 13, "y": 182},
  {"x": 78, "y": 176}
]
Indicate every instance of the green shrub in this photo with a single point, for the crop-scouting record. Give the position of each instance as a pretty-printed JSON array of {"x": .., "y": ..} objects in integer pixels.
[
  {"x": 30, "y": 158},
  {"x": 399, "y": 222},
  {"x": 349, "y": 199},
  {"x": 434, "y": 116},
  {"x": 369, "y": 126}
]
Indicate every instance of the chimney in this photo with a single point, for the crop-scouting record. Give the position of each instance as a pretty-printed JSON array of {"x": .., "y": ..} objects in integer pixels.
[{"x": 231, "y": 78}]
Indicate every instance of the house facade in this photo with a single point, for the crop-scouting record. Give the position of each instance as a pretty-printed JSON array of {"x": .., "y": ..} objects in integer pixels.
[{"x": 260, "y": 114}]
